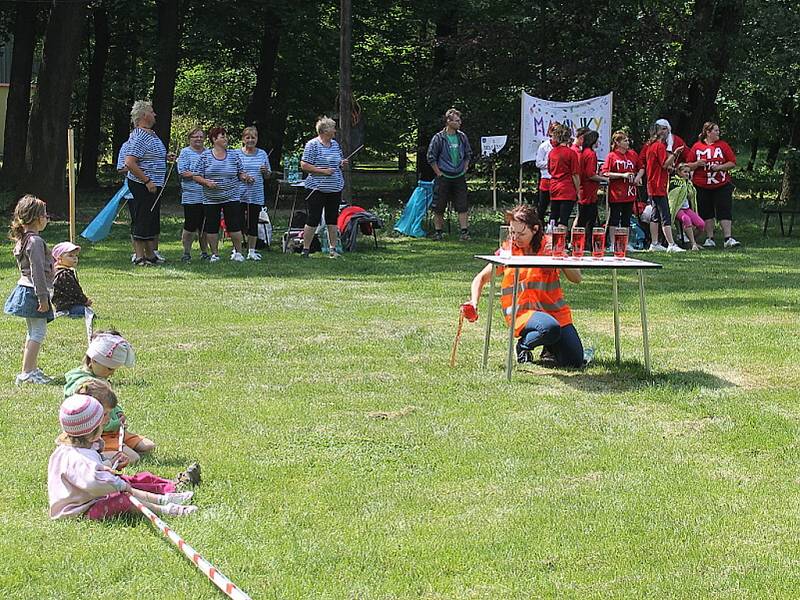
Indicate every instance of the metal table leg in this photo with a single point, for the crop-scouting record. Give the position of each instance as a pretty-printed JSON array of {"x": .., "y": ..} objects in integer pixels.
[
  {"x": 643, "y": 310},
  {"x": 489, "y": 313},
  {"x": 615, "y": 288},
  {"x": 509, "y": 359}
]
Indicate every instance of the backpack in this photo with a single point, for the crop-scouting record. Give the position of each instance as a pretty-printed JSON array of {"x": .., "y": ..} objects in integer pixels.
[{"x": 264, "y": 238}]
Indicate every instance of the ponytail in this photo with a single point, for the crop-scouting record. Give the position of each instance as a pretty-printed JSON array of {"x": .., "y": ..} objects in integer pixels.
[{"x": 29, "y": 208}]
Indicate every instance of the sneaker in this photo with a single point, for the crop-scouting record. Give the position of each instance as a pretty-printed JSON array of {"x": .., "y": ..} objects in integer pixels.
[
  {"x": 186, "y": 258},
  {"x": 253, "y": 255},
  {"x": 133, "y": 257},
  {"x": 153, "y": 261},
  {"x": 141, "y": 262},
  {"x": 159, "y": 259},
  {"x": 45, "y": 378},
  {"x": 465, "y": 237},
  {"x": 588, "y": 356},
  {"x": 214, "y": 258},
  {"x": 305, "y": 254},
  {"x": 675, "y": 248},
  {"x": 32, "y": 377},
  {"x": 523, "y": 356},
  {"x": 547, "y": 358},
  {"x": 731, "y": 243},
  {"x": 237, "y": 257},
  {"x": 709, "y": 243},
  {"x": 333, "y": 253},
  {"x": 438, "y": 236},
  {"x": 204, "y": 256},
  {"x": 657, "y": 248}
]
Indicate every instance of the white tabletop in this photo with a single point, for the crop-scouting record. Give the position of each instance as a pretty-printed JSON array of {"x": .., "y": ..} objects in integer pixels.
[{"x": 569, "y": 262}]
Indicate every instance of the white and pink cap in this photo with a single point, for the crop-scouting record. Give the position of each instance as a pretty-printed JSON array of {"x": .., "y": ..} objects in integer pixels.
[{"x": 80, "y": 414}]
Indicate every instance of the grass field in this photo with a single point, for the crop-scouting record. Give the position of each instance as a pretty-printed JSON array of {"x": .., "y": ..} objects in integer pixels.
[{"x": 597, "y": 484}]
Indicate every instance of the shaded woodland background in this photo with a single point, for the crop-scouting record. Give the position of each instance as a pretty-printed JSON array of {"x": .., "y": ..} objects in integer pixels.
[{"x": 276, "y": 65}]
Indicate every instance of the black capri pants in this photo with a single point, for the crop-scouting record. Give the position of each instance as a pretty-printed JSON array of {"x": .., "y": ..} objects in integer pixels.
[
  {"x": 661, "y": 210},
  {"x": 620, "y": 214},
  {"x": 323, "y": 200},
  {"x": 193, "y": 217},
  {"x": 716, "y": 203},
  {"x": 233, "y": 217},
  {"x": 587, "y": 216},
  {"x": 250, "y": 214},
  {"x": 145, "y": 218}
]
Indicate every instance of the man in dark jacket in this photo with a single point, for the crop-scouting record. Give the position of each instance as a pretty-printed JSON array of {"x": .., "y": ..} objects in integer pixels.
[{"x": 449, "y": 154}]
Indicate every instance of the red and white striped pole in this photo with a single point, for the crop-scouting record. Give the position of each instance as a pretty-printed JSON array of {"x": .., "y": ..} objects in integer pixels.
[{"x": 218, "y": 579}]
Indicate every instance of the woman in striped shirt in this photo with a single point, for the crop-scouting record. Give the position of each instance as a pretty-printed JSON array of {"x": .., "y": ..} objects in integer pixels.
[
  {"x": 145, "y": 160},
  {"x": 322, "y": 160},
  {"x": 192, "y": 195},
  {"x": 219, "y": 172},
  {"x": 256, "y": 164}
]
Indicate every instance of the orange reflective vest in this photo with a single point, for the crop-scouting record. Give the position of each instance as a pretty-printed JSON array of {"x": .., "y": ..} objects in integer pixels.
[{"x": 537, "y": 290}]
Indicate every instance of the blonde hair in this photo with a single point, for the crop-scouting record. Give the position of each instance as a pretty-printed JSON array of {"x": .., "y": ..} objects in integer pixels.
[
  {"x": 325, "y": 124},
  {"x": 194, "y": 130},
  {"x": 250, "y": 129},
  {"x": 618, "y": 135},
  {"x": 100, "y": 391},
  {"x": 562, "y": 134},
  {"x": 29, "y": 208},
  {"x": 452, "y": 112},
  {"x": 140, "y": 107}
]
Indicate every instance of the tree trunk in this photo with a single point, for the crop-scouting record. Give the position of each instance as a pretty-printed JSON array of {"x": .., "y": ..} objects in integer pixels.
[
  {"x": 166, "y": 67},
  {"x": 751, "y": 163},
  {"x": 19, "y": 95},
  {"x": 710, "y": 42},
  {"x": 258, "y": 109},
  {"x": 345, "y": 89},
  {"x": 402, "y": 160},
  {"x": 87, "y": 177},
  {"x": 790, "y": 186},
  {"x": 47, "y": 132},
  {"x": 772, "y": 154}
]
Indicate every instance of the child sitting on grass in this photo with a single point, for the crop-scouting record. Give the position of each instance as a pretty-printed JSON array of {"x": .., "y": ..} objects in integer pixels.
[
  {"x": 78, "y": 483},
  {"x": 107, "y": 352},
  {"x": 68, "y": 296},
  {"x": 683, "y": 203}
]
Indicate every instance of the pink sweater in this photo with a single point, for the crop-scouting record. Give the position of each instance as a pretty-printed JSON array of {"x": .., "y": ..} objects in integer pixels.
[{"x": 74, "y": 482}]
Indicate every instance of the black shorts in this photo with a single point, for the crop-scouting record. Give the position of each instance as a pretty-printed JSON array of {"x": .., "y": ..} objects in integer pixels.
[
  {"x": 620, "y": 214},
  {"x": 233, "y": 217},
  {"x": 145, "y": 218},
  {"x": 250, "y": 214},
  {"x": 715, "y": 203},
  {"x": 661, "y": 210},
  {"x": 446, "y": 190},
  {"x": 193, "y": 217},
  {"x": 587, "y": 216},
  {"x": 323, "y": 200}
]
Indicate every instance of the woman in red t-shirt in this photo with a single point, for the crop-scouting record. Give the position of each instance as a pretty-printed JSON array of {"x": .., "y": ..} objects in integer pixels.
[
  {"x": 542, "y": 156},
  {"x": 624, "y": 171},
  {"x": 711, "y": 159},
  {"x": 590, "y": 182},
  {"x": 658, "y": 162},
  {"x": 564, "y": 178}
]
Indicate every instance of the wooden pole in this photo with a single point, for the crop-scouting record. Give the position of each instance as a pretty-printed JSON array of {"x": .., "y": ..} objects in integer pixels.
[
  {"x": 71, "y": 174},
  {"x": 494, "y": 186},
  {"x": 345, "y": 89}
]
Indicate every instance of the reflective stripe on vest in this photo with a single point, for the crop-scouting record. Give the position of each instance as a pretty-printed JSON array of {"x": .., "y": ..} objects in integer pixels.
[
  {"x": 540, "y": 306},
  {"x": 548, "y": 286}
]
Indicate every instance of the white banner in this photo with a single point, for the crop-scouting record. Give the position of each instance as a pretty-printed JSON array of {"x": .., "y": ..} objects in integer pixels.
[
  {"x": 537, "y": 114},
  {"x": 492, "y": 144}
]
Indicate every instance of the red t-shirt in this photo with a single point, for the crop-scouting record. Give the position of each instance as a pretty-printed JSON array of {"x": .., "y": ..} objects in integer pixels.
[
  {"x": 717, "y": 153},
  {"x": 677, "y": 142},
  {"x": 588, "y": 166},
  {"x": 562, "y": 165},
  {"x": 620, "y": 190},
  {"x": 657, "y": 175}
]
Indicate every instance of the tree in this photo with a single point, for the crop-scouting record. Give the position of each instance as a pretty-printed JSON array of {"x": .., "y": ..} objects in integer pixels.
[
  {"x": 166, "y": 67},
  {"x": 19, "y": 94},
  {"x": 345, "y": 86},
  {"x": 87, "y": 176},
  {"x": 47, "y": 132}
]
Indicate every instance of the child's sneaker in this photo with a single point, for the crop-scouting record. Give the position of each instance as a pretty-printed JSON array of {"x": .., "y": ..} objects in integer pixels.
[
  {"x": 32, "y": 377},
  {"x": 675, "y": 248}
]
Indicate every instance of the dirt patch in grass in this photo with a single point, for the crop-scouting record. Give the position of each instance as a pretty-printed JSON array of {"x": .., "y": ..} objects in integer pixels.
[{"x": 391, "y": 414}]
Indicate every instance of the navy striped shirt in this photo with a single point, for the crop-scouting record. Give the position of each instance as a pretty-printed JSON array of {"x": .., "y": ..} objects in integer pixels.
[
  {"x": 148, "y": 148},
  {"x": 225, "y": 173},
  {"x": 253, "y": 193},
  {"x": 191, "y": 191},
  {"x": 325, "y": 157},
  {"x": 123, "y": 152}
]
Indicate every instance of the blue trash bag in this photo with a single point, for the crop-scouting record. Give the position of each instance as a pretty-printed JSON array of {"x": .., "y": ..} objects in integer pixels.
[
  {"x": 410, "y": 222},
  {"x": 100, "y": 226}
]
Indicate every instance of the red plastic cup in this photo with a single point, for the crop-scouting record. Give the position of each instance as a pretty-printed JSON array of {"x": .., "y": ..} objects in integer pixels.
[
  {"x": 470, "y": 312},
  {"x": 598, "y": 242},
  {"x": 620, "y": 242},
  {"x": 559, "y": 242},
  {"x": 578, "y": 241}
]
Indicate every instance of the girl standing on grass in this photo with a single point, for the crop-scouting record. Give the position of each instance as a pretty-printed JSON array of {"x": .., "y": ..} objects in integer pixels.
[
  {"x": 78, "y": 483},
  {"x": 30, "y": 299}
]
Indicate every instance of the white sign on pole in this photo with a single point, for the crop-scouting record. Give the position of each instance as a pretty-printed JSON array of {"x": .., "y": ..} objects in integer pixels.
[
  {"x": 492, "y": 144},
  {"x": 537, "y": 114}
]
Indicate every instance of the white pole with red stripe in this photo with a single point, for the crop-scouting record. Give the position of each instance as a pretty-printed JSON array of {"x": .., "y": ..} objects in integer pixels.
[{"x": 218, "y": 579}]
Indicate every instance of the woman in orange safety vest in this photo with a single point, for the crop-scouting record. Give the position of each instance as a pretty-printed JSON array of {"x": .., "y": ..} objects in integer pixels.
[{"x": 543, "y": 316}]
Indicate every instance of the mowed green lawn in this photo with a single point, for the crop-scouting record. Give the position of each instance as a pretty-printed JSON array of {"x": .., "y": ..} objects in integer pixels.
[{"x": 605, "y": 483}]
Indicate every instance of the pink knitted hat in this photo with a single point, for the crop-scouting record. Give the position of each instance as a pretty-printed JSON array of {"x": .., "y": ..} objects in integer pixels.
[{"x": 80, "y": 414}]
